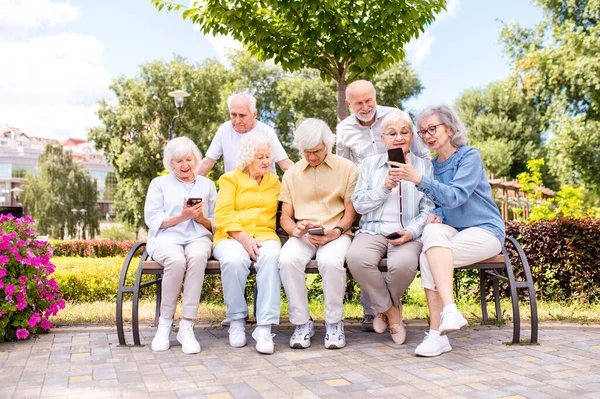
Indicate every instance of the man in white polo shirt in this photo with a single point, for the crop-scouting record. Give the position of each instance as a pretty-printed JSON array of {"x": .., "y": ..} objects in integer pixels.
[
  {"x": 359, "y": 136},
  {"x": 242, "y": 110}
]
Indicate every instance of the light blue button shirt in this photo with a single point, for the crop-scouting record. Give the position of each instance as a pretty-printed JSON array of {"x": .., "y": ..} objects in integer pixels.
[
  {"x": 370, "y": 196},
  {"x": 165, "y": 198}
]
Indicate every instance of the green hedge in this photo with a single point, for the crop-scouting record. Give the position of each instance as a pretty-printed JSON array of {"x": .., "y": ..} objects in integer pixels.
[{"x": 92, "y": 248}]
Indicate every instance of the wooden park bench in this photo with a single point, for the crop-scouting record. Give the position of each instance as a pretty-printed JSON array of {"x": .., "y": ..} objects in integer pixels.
[{"x": 498, "y": 268}]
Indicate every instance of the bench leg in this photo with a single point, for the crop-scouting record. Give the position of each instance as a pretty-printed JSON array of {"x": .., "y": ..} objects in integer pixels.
[
  {"x": 121, "y": 289},
  {"x": 496, "y": 284},
  {"x": 514, "y": 297},
  {"x": 484, "y": 312},
  {"x": 120, "y": 331},
  {"x": 135, "y": 321},
  {"x": 158, "y": 300}
]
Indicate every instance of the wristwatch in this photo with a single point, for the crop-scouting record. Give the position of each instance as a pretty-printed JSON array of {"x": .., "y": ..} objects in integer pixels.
[{"x": 340, "y": 229}]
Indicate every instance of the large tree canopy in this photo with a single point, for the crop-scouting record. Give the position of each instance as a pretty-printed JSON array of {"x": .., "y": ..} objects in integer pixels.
[
  {"x": 558, "y": 71},
  {"x": 342, "y": 39},
  {"x": 62, "y": 186}
]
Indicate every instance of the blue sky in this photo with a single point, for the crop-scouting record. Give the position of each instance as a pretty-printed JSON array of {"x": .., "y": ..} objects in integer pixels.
[{"x": 65, "y": 54}]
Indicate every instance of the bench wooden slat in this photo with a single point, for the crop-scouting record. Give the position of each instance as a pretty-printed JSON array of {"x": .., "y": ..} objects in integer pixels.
[{"x": 213, "y": 265}]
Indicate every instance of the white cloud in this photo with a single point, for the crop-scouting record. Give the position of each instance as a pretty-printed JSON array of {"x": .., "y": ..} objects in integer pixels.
[
  {"x": 418, "y": 49},
  {"x": 19, "y": 16},
  {"x": 51, "y": 83},
  {"x": 223, "y": 46}
]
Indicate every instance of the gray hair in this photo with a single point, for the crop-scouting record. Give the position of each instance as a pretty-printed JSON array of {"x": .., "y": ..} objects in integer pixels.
[
  {"x": 247, "y": 150},
  {"x": 450, "y": 118},
  {"x": 352, "y": 85},
  {"x": 178, "y": 148},
  {"x": 312, "y": 132},
  {"x": 244, "y": 94},
  {"x": 395, "y": 116}
]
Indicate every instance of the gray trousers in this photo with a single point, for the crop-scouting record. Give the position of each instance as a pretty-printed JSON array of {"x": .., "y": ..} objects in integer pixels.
[{"x": 363, "y": 259}]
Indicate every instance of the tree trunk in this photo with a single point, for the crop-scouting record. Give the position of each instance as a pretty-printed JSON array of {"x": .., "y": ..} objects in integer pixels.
[{"x": 342, "y": 108}]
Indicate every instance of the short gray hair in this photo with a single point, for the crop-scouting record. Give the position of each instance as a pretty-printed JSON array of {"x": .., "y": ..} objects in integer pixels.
[
  {"x": 450, "y": 118},
  {"x": 395, "y": 116},
  {"x": 247, "y": 150},
  {"x": 244, "y": 94},
  {"x": 351, "y": 86},
  {"x": 178, "y": 148},
  {"x": 312, "y": 132}
]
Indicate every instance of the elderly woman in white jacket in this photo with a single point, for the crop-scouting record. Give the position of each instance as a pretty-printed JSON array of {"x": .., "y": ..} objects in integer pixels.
[
  {"x": 180, "y": 238},
  {"x": 393, "y": 217}
]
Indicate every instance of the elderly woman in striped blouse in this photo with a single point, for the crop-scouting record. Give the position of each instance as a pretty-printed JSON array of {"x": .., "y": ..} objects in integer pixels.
[{"x": 393, "y": 217}]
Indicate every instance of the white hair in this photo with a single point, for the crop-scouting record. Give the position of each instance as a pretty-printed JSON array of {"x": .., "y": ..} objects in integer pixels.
[
  {"x": 248, "y": 148},
  {"x": 244, "y": 94},
  {"x": 178, "y": 148},
  {"x": 351, "y": 87},
  {"x": 395, "y": 116},
  {"x": 312, "y": 132},
  {"x": 450, "y": 118}
]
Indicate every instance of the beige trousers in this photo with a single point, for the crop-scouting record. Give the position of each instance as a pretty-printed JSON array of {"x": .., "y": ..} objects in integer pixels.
[
  {"x": 468, "y": 246},
  {"x": 293, "y": 258},
  {"x": 363, "y": 259},
  {"x": 179, "y": 260}
]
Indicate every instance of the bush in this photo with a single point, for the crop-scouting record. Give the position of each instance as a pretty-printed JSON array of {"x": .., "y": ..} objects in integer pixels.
[
  {"x": 29, "y": 296},
  {"x": 92, "y": 248},
  {"x": 117, "y": 232}
]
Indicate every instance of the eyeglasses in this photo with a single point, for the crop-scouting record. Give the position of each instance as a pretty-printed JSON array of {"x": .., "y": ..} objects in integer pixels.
[
  {"x": 402, "y": 133},
  {"x": 432, "y": 130}
]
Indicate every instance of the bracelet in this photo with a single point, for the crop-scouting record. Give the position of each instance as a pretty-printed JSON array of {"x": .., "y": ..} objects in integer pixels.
[{"x": 340, "y": 228}]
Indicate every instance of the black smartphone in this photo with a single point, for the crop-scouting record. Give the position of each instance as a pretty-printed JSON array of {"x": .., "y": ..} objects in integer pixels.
[
  {"x": 396, "y": 155},
  {"x": 194, "y": 201},
  {"x": 316, "y": 231},
  {"x": 393, "y": 236}
]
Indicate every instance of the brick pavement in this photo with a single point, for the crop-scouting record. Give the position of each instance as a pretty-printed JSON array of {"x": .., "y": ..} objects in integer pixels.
[{"x": 86, "y": 361}]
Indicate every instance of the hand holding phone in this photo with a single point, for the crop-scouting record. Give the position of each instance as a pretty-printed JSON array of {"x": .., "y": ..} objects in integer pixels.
[
  {"x": 316, "y": 231},
  {"x": 194, "y": 201},
  {"x": 393, "y": 236}
]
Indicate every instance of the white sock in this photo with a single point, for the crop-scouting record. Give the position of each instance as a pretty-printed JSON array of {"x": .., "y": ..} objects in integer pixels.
[
  {"x": 264, "y": 327},
  {"x": 450, "y": 307},
  {"x": 434, "y": 333},
  {"x": 238, "y": 323},
  {"x": 185, "y": 322}
]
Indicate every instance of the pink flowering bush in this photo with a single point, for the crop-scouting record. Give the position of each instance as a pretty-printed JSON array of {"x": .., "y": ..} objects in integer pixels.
[{"x": 28, "y": 296}]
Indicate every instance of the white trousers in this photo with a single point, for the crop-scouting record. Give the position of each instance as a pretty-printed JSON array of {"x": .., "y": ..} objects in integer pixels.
[
  {"x": 179, "y": 260},
  {"x": 294, "y": 256},
  {"x": 468, "y": 246}
]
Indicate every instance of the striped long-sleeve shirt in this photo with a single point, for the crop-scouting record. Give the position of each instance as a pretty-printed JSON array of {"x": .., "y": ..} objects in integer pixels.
[{"x": 370, "y": 196}]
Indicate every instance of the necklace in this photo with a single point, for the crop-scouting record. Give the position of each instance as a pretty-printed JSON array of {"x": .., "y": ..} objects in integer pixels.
[{"x": 187, "y": 185}]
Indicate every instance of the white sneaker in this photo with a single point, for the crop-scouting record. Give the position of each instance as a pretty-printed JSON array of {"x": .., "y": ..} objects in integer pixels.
[
  {"x": 160, "y": 342},
  {"x": 433, "y": 345},
  {"x": 300, "y": 339},
  {"x": 264, "y": 339},
  {"x": 452, "y": 320},
  {"x": 237, "y": 333},
  {"x": 187, "y": 338},
  {"x": 334, "y": 335}
]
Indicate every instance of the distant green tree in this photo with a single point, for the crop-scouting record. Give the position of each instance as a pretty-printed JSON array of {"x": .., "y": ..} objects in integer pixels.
[
  {"x": 135, "y": 129},
  {"x": 61, "y": 186},
  {"x": 503, "y": 126},
  {"x": 344, "y": 40},
  {"x": 558, "y": 71}
]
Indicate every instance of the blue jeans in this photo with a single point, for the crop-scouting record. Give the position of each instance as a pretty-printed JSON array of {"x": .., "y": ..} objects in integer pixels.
[{"x": 235, "y": 267}]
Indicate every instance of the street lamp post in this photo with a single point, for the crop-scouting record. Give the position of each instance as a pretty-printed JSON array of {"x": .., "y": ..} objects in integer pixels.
[{"x": 178, "y": 95}]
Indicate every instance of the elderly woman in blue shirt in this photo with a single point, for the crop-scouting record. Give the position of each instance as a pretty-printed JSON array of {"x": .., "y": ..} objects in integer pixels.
[
  {"x": 465, "y": 228},
  {"x": 180, "y": 238},
  {"x": 389, "y": 205}
]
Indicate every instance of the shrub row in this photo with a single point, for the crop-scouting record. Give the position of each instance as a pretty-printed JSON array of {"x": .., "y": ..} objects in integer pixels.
[{"x": 92, "y": 248}]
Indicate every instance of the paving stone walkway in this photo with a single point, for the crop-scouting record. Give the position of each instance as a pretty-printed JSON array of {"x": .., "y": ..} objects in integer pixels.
[{"x": 86, "y": 361}]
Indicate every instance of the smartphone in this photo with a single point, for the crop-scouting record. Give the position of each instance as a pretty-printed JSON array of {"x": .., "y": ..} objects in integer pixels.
[
  {"x": 194, "y": 201},
  {"x": 316, "y": 231},
  {"x": 396, "y": 155},
  {"x": 393, "y": 235}
]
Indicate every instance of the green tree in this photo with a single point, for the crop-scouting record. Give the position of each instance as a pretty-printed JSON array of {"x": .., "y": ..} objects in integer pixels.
[
  {"x": 135, "y": 129},
  {"x": 503, "y": 126},
  {"x": 344, "y": 40},
  {"x": 558, "y": 71},
  {"x": 61, "y": 186}
]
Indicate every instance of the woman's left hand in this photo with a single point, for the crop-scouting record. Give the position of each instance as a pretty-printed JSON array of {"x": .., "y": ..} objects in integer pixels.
[
  {"x": 409, "y": 173},
  {"x": 252, "y": 245},
  {"x": 405, "y": 236}
]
